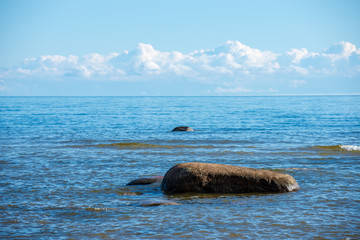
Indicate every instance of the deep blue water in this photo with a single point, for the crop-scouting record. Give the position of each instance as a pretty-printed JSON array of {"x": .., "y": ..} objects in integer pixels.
[{"x": 65, "y": 162}]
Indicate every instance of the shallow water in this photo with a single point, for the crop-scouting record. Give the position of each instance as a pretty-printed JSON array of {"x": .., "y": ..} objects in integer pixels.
[{"x": 65, "y": 162}]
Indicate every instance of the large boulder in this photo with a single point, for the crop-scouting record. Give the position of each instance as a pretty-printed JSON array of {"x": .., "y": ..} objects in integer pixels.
[
  {"x": 219, "y": 178},
  {"x": 183, "y": 129}
]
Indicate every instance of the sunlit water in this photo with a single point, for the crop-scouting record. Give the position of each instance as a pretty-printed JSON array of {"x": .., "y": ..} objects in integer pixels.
[{"x": 65, "y": 163}]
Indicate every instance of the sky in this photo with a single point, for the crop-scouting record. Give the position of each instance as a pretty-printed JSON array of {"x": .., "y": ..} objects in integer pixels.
[{"x": 179, "y": 48}]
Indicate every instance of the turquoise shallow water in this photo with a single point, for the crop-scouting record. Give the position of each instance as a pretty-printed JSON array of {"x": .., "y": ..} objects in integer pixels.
[{"x": 65, "y": 162}]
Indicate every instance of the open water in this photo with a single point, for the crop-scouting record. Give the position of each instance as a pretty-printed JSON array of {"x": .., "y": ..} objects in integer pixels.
[{"x": 65, "y": 163}]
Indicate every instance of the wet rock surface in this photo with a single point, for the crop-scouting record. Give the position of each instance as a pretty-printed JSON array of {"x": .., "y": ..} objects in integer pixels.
[
  {"x": 183, "y": 129},
  {"x": 219, "y": 178},
  {"x": 146, "y": 180}
]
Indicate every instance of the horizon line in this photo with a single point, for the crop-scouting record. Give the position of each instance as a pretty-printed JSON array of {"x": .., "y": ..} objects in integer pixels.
[{"x": 262, "y": 95}]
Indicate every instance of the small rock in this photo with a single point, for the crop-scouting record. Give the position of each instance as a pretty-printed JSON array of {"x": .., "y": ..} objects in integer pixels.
[
  {"x": 183, "y": 129},
  {"x": 146, "y": 180},
  {"x": 157, "y": 202}
]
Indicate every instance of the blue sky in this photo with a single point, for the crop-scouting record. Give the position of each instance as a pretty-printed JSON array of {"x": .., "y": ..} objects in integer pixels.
[{"x": 136, "y": 47}]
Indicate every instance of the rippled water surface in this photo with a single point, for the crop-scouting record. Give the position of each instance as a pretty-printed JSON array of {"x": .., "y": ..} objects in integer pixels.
[{"x": 65, "y": 163}]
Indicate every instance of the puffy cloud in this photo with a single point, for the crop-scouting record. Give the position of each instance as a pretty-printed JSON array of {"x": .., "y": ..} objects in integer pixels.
[
  {"x": 232, "y": 60},
  {"x": 298, "y": 54},
  {"x": 341, "y": 50},
  {"x": 341, "y": 59}
]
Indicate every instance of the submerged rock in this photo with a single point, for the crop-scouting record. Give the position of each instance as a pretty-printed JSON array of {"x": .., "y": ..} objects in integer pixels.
[
  {"x": 145, "y": 180},
  {"x": 184, "y": 129},
  {"x": 157, "y": 202},
  {"x": 219, "y": 178}
]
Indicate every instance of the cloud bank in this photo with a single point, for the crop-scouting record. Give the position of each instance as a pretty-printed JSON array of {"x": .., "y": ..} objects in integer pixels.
[
  {"x": 232, "y": 60},
  {"x": 229, "y": 65}
]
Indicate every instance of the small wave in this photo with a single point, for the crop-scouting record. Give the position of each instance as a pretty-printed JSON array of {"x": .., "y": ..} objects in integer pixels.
[
  {"x": 350, "y": 147},
  {"x": 336, "y": 148},
  {"x": 99, "y": 209},
  {"x": 293, "y": 169},
  {"x": 157, "y": 202}
]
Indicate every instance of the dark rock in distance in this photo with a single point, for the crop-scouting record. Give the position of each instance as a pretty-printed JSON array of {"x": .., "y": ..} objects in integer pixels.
[
  {"x": 145, "y": 180},
  {"x": 183, "y": 129},
  {"x": 219, "y": 178}
]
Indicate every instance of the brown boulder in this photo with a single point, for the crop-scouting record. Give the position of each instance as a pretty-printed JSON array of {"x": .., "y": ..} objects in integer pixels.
[{"x": 219, "y": 178}]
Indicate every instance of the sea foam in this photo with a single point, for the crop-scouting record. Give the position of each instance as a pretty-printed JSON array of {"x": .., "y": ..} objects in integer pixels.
[{"x": 350, "y": 147}]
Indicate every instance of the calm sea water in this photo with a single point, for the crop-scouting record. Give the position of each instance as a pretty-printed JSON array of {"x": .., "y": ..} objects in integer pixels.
[{"x": 65, "y": 162}]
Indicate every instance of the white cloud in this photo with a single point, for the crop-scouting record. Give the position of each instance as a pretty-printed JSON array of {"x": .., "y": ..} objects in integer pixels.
[
  {"x": 341, "y": 50},
  {"x": 233, "y": 90},
  {"x": 230, "y": 61},
  {"x": 270, "y": 90},
  {"x": 298, "y": 55},
  {"x": 300, "y": 70},
  {"x": 2, "y": 86},
  {"x": 341, "y": 59},
  {"x": 296, "y": 83}
]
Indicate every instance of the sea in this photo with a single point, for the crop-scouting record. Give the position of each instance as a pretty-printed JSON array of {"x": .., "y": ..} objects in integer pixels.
[{"x": 65, "y": 163}]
